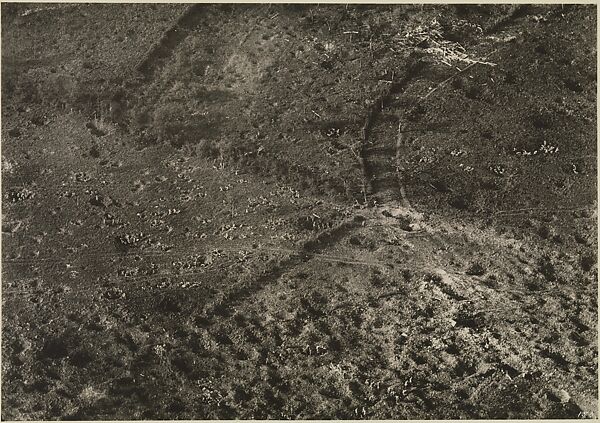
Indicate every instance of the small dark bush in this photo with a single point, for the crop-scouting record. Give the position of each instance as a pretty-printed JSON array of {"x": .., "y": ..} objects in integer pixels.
[
  {"x": 475, "y": 269},
  {"x": 587, "y": 262},
  {"x": 546, "y": 268}
]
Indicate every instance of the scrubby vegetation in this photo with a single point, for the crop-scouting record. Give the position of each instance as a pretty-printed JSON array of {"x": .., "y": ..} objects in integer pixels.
[{"x": 299, "y": 211}]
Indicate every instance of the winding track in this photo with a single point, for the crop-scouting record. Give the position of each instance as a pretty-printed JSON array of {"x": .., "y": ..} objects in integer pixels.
[{"x": 380, "y": 158}]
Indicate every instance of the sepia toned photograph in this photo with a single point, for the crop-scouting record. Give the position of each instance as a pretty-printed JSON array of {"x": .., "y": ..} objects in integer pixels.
[{"x": 298, "y": 211}]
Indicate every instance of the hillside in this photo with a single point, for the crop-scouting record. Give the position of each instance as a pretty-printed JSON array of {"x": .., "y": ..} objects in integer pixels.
[{"x": 299, "y": 211}]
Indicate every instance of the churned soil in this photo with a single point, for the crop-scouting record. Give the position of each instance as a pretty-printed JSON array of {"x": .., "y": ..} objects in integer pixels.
[{"x": 299, "y": 211}]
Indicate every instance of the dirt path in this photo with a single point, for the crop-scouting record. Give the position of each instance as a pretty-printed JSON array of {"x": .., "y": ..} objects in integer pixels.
[
  {"x": 162, "y": 51},
  {"x": 379, "y": 156},
  {"x": 309, "y": 249}
]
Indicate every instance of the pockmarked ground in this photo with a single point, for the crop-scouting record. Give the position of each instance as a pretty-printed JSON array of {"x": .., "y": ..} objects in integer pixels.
[{"x": 299, "y": 211}]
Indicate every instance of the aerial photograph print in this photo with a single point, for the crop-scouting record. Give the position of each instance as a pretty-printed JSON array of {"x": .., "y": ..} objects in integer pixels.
[{"x": 218, "y": 211}]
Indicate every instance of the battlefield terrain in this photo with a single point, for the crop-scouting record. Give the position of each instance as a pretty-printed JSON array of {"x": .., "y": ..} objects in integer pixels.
[{"x": 299, "y": 211}]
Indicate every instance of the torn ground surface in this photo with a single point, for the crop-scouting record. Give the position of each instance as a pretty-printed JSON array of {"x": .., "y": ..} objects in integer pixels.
[{"x": 196, "y": 224}]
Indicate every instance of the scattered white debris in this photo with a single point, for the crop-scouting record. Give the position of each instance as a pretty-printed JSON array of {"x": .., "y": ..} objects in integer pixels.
[{"x": 498, "y": 170}]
